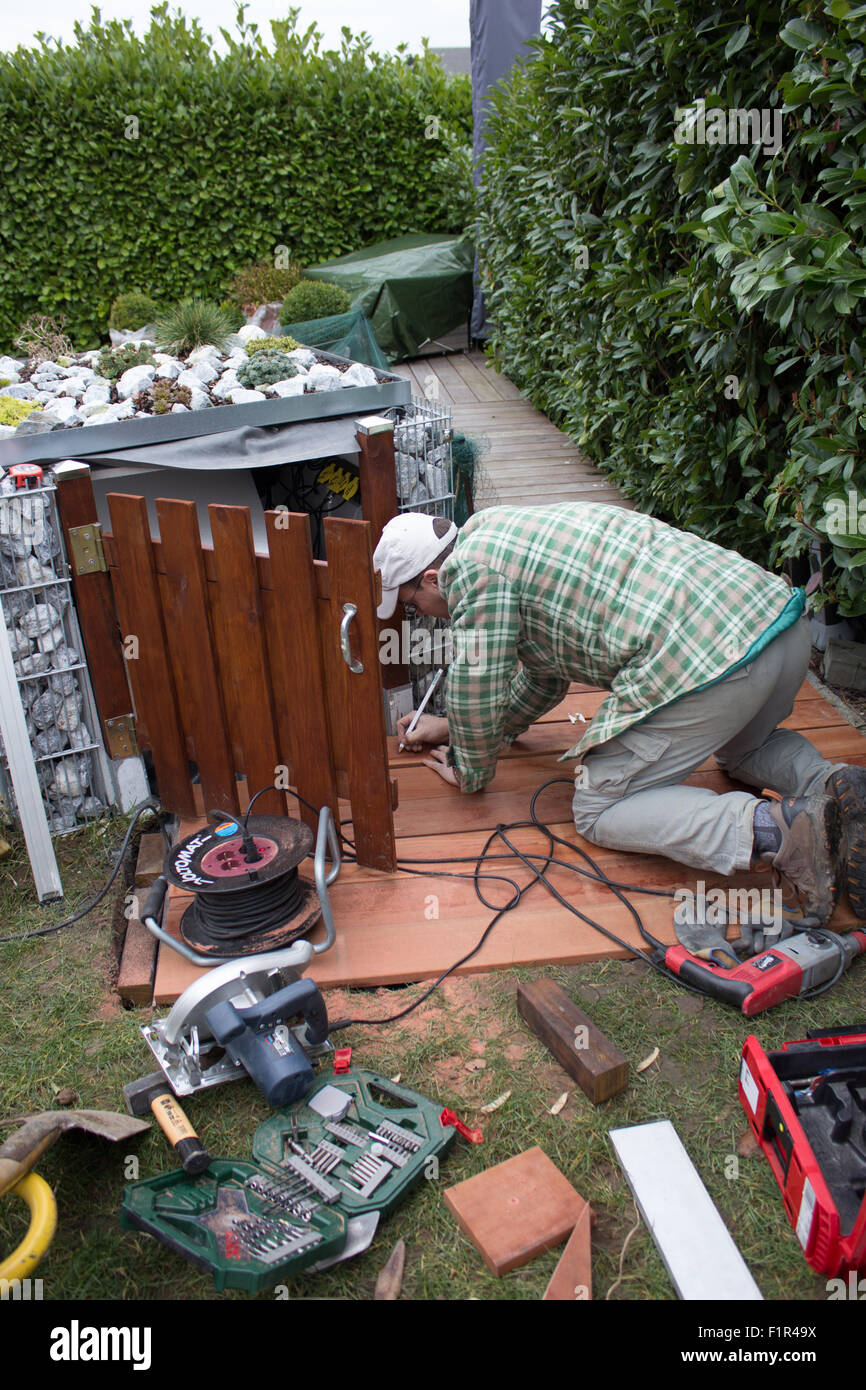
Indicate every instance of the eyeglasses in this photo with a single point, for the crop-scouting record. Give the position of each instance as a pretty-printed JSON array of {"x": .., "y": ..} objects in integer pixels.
[{"x": 410, "y": 601}]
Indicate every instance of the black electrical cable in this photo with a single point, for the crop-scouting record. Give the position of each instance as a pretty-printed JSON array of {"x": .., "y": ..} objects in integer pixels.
[
  {"x": 150, "y": 805},
  {"x": 598, "y": 874}
]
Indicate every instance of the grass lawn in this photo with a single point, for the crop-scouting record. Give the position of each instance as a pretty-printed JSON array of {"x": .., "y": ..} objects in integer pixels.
[{"x": 62, "y": 1026}]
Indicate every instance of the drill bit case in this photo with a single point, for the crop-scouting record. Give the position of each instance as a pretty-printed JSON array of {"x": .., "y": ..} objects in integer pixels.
[
  {"x": 314, "y": 1192},
  {"x": 375, "y": 1155},
  {"x": 219, "y": 1222}
]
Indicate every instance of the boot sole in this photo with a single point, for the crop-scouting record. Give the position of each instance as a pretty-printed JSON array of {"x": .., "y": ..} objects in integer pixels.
[{"x": 847, "y": 787}]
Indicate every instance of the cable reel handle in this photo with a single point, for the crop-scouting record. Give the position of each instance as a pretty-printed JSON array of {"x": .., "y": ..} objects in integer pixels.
[{"x": 155, "y": 898}]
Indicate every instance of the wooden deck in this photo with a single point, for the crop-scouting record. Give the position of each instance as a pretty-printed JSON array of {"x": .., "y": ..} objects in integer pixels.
[
  {"x": 395, "y": 928},
  {"x": 529, "y": 459}
]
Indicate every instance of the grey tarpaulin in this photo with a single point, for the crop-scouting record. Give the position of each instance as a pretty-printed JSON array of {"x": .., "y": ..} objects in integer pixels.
[
  {"x": 499, "y": 30},
  {"x": 253, "y": 446}
]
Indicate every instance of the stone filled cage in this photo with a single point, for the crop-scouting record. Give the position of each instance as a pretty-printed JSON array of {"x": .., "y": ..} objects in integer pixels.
[
  {"x": 423, "y": 437},
  {"x": 50, "y": 669}
]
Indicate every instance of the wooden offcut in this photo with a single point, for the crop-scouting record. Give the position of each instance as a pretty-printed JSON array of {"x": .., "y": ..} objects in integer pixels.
[
  {"x": 151, "y": 856},
  {"x": 138, "y": 958},
  {"x": 572, "y": 1278},
  {"x": 517, "y": 1209},
  {"x": 581, "y": 1049}
]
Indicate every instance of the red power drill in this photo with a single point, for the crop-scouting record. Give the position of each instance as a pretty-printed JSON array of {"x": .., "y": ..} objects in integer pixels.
[{"x": 798, "y": 965}]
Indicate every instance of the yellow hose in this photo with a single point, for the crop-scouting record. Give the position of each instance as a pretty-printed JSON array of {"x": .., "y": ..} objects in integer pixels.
[{"x": 43, "y": 1223}]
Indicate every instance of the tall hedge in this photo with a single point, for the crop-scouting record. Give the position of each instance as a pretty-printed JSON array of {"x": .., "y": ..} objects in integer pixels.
[
  {"x": 692, "y": 312},
  {"x": 157, "y": 164}
]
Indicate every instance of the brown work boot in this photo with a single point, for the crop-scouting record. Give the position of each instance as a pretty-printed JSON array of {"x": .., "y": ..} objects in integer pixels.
[
  {"x": 847, "y": 787},
  {"x": 808, "y": 861}
]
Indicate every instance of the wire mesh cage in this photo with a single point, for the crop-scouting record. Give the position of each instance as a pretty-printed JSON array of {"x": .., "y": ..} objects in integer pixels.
[
  {"x": 423, "y": 440},
  {"x": 45, "y": 642}
]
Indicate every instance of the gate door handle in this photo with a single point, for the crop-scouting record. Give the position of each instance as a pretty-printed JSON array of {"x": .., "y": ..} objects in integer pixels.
[{"x": 354, "y": 665}]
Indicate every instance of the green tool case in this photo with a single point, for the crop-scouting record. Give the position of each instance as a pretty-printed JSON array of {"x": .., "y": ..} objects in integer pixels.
[{"x": 255, "y": 1224}]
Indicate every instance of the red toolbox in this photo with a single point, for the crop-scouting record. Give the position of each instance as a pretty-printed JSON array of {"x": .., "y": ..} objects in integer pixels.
[{"x": 807, "y": 1107}]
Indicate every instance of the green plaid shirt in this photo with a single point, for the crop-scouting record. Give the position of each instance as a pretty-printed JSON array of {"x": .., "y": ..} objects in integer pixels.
[{"x": 542, "y": 596}]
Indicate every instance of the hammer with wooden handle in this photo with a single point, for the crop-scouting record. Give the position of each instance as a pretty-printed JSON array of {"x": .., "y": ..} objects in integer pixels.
[{"x": 152, "y": 1093}]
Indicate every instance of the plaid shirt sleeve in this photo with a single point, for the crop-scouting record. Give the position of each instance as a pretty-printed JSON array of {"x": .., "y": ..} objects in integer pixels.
[
  {"x": 489, "y": 701},
  {"x": 532, "y": 694},
  {"x": 484, "y": 624}
]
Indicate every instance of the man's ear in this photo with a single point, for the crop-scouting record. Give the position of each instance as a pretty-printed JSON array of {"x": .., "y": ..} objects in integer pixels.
[{"x": 433, "y": 577}]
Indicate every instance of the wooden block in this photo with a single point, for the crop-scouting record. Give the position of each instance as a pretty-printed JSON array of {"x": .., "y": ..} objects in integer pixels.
[
  {"x": 572, "y": 1278},
  {"x": 517, "y": 1209},
  {"x": 137, "y": 963},
  {"x": 581, "y": 1049},
  {"x": 151, "y": 853}
]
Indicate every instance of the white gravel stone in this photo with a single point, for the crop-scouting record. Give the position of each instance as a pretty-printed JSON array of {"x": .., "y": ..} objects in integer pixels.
[
  {"x": 198, "y": 399},
  {"x": 207, "y": 353},
  {"x": 358, "y": 375},
  {"x": 134, "y": 380},
  {"x": 292, "y": 386},
  {"x": 97, "y": 393},
  {"x": 303, "y": 357},
  {"x": 227, "y": 382},
  {"x": 179, "y": 408},
  {"x": 324, "y": 378},
  {"x": 205, "y": 371},
  {"x": 170, "y": 370},
  {"x": 10, "y": 367},
  {"x": 65, "y": 409},
  {"x": 250, "y": 331},
  {"x": 22, "y": 392},
  {"x": 91, "y": 409},
  {"x": 240, "y": 396}
]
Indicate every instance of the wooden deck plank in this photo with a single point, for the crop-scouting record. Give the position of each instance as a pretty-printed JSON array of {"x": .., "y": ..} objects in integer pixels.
[
  {"x": 482, "y": 389},
  {"x": 396, "y": 927}
]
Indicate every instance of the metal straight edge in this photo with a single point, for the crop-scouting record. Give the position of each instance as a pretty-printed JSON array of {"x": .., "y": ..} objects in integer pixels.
[
  {"x": 696, "y": 1246},
  {"x": 22, "y": 768},
  {"x": 86, "y": 440}
]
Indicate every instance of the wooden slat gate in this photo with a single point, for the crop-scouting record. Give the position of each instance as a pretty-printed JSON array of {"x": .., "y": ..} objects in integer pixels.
[{"x": 234, "y": 659}]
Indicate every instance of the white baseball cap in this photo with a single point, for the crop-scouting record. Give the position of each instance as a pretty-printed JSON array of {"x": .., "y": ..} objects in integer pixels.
[{"x": 408, "y": 544}]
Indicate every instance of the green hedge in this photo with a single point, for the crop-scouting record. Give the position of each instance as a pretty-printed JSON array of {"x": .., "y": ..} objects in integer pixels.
[
  {"x": 692, "y": 311},
  {"x": 157, "y": 164}
]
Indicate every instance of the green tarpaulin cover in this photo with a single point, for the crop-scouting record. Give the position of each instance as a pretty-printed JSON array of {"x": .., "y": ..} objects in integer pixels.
[
  {"x": 411, "y": 288},
  {"x": 345, "y": 335}
]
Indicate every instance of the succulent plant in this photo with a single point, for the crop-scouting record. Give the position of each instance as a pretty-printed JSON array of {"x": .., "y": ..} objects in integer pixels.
[
  {"x": 262, "y": 283},
  {"x": 314, "y": 299},
  {"x": 132, "y": 310},
  {"x": 191, "y": 323},
  {"x": 285, "y": 344},
  {"x": 113, "y": 362},
  {"x": 12, "y": 412},
  {"x": 265, "y": 368},
  {"x": 159, "y": 398}
]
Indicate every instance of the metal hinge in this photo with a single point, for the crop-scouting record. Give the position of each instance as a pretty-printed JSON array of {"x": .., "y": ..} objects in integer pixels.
[
  {"x": 85, "y": 543},
  {"x": 122, "y": 742}
]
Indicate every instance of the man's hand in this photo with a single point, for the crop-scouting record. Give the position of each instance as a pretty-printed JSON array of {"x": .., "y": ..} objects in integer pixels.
[
  {"x": 429, "y": 729},
  {"x": 438, "y": 764}
]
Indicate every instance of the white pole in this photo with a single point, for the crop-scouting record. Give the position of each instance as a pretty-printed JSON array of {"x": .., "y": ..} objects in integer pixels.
[{"x": 22, "y": 768}]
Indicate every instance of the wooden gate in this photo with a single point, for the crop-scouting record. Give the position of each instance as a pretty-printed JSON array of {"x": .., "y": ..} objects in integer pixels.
[{"x": 234, "y": 661}]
